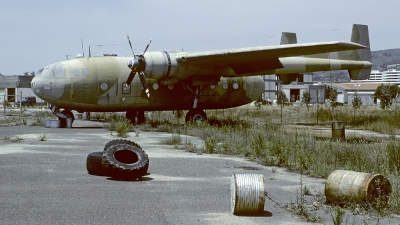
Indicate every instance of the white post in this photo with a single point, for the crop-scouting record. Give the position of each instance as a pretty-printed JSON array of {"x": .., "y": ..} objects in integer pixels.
[
  {"x": 5, "y": 105},
  {"x": 20, "y": 102}
]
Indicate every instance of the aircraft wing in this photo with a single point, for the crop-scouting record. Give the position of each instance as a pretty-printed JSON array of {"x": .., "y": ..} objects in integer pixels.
[{"x": 265, "y": 54}]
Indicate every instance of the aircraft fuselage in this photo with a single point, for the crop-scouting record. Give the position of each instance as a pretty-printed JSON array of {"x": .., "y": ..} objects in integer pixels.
[{"x": 98, "y": 84}]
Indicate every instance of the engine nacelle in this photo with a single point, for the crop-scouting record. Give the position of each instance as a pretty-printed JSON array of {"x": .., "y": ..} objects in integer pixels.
[{"x": 161, "y": 65}]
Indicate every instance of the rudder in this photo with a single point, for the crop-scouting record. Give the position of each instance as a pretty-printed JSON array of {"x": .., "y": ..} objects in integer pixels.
[{"x": 360, "y": 35}]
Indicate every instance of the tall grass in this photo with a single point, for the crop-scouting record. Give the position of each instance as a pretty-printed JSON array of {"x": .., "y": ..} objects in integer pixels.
[{"x": 259, "y": 135}]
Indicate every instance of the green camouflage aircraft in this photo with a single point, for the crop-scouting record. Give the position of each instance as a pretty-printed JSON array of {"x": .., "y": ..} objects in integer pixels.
[{"x": 193, "y": 81}]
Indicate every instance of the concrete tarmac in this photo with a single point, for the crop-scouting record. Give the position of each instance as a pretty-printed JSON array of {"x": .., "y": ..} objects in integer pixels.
[{"x": 46, "y": 182}]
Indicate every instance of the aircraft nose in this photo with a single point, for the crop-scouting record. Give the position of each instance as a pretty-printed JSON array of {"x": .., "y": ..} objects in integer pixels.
[{"x": 35, "y": 87}]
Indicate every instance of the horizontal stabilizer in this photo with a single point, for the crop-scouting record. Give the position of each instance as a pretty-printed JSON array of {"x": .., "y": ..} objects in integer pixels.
[{"x": 360, "y": 74}]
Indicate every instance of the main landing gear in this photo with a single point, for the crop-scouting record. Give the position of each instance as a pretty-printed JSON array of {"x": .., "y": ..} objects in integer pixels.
[
  {"x": 136, "y": 117},
  {"x": 196, "y": 114}
]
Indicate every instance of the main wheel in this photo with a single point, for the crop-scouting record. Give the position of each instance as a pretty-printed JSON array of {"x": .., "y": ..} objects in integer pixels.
[
  {"x": 125, "y": 161},
  {"x": 195, "y": 115},
  {"x": 140, "y": 117},
  {"x": 136, "y": 117},
  {"x": 131, "y": 115}
]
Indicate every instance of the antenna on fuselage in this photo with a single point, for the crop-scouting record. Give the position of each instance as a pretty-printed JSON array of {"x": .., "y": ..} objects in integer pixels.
[{"x": 83, "y": 52}]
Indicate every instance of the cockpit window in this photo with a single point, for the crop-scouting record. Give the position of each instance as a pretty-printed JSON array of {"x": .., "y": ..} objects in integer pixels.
[
  {"x": 58, "y": 71},
  {"x": 38, "y": 73},
  {"x": 53, "y": 71},
  {"x": 47, "y": 72}
]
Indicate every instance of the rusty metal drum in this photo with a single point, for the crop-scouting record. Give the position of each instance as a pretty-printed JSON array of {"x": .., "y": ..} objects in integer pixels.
[
  {"x": 346, "y": 185},
  {"x": 338, "y": 131},
  {"x": 247, "y": 194}
]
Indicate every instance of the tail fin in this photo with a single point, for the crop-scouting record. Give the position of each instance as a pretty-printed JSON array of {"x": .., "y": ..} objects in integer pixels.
[
  {"x": 359, "y": 35},
  {"x": 288, "y": 38}
]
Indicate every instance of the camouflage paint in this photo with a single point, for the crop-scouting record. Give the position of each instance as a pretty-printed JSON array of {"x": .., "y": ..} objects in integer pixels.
[
  {"x": 97, "y": 84},
  {"x": 225, "y": 78}
]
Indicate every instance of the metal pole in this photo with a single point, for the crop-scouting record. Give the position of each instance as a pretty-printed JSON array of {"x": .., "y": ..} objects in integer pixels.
[
  {"x": 317, "y": 104},
  {"x": 20, "y": 102},
  {"x": 5, "y": 105}
]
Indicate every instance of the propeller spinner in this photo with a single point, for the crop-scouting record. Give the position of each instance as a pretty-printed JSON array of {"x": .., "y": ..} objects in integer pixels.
[{"x": 138, "y": 65}]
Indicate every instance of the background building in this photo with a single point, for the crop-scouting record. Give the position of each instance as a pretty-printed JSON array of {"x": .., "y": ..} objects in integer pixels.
[{"x": 12, "y": 86}]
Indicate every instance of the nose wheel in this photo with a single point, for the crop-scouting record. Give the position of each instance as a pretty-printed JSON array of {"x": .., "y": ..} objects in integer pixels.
[
  {"x": 63, "y": 121},
  {"x": 63, "y": 115}
]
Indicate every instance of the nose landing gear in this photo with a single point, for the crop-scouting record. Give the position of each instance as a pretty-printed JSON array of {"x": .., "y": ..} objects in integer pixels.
[{"x": 63, "y": 116}]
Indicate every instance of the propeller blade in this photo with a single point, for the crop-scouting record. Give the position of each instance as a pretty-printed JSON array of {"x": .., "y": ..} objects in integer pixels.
[
  {"x": 144, "y": 83},
  {"x": 147, "y": 47},
  {"x": 130, "y": 78},
  {"x": 129, "y": 40}
]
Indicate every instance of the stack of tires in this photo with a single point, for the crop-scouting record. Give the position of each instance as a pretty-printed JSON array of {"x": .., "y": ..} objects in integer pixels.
[{"x": 121, "y": 159}]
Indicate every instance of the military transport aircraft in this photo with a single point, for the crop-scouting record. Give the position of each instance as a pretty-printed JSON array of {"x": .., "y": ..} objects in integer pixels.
[{"x": 193, "y": 81}]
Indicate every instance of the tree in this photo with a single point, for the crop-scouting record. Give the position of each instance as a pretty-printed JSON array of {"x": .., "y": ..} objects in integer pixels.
[
  {"x": 306, "y": 99},
  {"x": 333, "y": 97},
  {"x": 281, "y": 100},
  {"x": 357, "y": 103},
  {"x": 385, "y": 93}
]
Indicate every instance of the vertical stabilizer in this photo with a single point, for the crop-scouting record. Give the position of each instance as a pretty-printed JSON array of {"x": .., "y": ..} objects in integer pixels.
[
  {"x": 359, "y": 35},
  {"x": 288, "y": 38}
]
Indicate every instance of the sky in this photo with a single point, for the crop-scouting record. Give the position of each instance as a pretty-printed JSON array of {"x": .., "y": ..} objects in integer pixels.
[{"x": 41, "y": 32}]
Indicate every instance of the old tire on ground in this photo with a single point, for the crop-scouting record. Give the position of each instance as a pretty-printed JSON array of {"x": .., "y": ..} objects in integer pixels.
[
  {"x": 94, "y": 164},
  {"x": 125, "y": 161},
  {"x": 119, "y": 141}
]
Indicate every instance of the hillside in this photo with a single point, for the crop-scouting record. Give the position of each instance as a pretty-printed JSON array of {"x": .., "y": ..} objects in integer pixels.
[{"x": 386, "y": 59}]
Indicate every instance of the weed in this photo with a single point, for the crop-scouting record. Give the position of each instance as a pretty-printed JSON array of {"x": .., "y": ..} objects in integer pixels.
[
  {"x": 190, "y": 147},
  {"x": 210, "y": 145},
  {"x": 300, "y": 208},
  {"x": 337, "y": 215},
  {"x": 122, "y": 127},
  {"x": 393, "y": 155},
  {"x": 17, "y": 139},
  {"x": 258, "y": 144},
  {"x": 38, "y": 121},
  {"x": 137, "y": 131},
  {"x": 42, "y": 137},
  {"x": 175, "y": 140}
]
